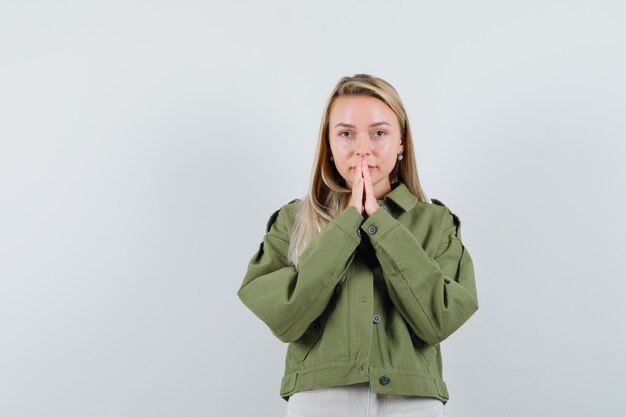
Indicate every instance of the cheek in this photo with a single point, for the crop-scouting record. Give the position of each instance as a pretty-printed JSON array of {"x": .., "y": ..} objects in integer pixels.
[
  {"x": 341, "y": 156},
  {"x": 387, "y": 147},
  {"x": 344, "y": 168},
  {"x": 387, "y": 159}
]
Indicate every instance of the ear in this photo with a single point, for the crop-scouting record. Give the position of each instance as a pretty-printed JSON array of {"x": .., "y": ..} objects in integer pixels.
[{"x": 401, "y": 148}]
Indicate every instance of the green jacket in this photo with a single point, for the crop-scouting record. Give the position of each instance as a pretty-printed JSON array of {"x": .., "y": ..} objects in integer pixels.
[{"x": 371, "y": 298}]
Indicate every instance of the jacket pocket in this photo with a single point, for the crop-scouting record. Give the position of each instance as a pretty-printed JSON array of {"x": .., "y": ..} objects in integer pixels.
[
  {"x": 427, "y": 351},
  {"x": 301, "y": 347}
]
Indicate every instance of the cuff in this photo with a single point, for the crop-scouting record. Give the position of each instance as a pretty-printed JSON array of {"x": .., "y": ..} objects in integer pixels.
[
  {"x": 349, "y": 221},
  {"x": 378, "y": 224}
]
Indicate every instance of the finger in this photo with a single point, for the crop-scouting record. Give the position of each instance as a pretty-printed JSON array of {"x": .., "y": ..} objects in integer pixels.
[
  {"x": 358, "y": 177},
  {"x": 363, "y": 186},
  {"x": 366, "y": 172},
  {"x": 370, "y": 204},
  {"x": 361, "y": 172},
  {"x": 369, "y": 188},
  {"x": 357, "y": 189}
]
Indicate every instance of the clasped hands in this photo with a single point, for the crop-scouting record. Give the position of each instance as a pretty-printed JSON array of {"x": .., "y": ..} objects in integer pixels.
[{"x": 363, "y": 198}]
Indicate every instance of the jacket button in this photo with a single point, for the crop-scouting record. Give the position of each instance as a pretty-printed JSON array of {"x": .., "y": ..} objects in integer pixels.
[
  {"x": 358, "y": 232},
  {"x": 376, "y": 319},
  {"x": 372, "y": 230},
  {"x": 384, "y": 380}
]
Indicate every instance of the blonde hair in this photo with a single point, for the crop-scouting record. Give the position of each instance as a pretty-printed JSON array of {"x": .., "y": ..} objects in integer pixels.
[{"x": 327, "y": 192}]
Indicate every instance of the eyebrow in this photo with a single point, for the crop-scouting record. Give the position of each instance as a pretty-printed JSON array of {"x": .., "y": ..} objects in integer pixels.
[{"x": 372, "y": 125}]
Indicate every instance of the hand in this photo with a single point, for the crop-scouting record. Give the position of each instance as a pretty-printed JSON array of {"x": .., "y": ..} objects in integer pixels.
[
  {"x": 371, "y": 204},
  {"x": 356, "y": 200},
  {"x": 363, "y": 197}
]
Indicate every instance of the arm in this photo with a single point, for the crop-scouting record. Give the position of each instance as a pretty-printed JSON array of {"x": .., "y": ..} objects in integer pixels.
[
  {"x": 288, "y": 298},
  {"x": 434, "y": 295}
]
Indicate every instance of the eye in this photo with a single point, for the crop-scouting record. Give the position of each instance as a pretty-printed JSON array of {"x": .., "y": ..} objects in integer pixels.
[
  {"x": 380, "y": 133},
  {"x": 344, "y": 134}
]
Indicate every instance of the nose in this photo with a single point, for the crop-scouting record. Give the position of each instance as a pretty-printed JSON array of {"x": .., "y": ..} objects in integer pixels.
[{"x": 363, "y": 145}]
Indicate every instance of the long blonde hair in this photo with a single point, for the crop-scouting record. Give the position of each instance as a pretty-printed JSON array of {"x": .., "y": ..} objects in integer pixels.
[{"x": 327, "y": 192}]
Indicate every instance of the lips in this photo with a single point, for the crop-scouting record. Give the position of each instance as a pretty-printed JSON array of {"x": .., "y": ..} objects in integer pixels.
[{"x": 369, "y": 166}]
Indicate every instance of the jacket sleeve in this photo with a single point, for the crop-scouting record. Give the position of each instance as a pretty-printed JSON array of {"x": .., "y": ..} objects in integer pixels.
[
  {"x": 288, "y": 298},
  {"x": 434, "y": 295}
]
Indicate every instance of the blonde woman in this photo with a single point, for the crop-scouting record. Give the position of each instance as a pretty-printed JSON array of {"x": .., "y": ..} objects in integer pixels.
[{"x": 363, "y": 277}]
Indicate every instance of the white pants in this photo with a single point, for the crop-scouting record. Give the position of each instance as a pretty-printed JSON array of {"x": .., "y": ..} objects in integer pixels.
[{"x": 358, "y": 401}]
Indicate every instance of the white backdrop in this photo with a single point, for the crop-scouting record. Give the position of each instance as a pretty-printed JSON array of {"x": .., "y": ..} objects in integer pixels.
[{"x": 143, "y": 145}]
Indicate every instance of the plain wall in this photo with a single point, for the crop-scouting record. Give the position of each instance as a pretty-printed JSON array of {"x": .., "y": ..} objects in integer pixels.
[{"x": 144, "y": 144}]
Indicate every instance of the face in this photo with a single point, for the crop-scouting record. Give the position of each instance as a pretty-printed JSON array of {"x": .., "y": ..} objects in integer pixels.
[{"x": 364, "y": 128}]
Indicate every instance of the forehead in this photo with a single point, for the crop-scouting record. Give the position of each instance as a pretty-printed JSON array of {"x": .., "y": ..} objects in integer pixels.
[{"x": 360, "y": 110}]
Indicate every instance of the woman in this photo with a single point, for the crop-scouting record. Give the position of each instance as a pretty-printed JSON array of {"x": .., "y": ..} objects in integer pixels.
[{"x": 363, "y": 278}]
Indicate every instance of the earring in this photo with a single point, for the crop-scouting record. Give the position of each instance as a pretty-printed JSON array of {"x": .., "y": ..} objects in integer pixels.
[
  {"x": 331, "y": 158},
  {"x": 400, "y": 157}
]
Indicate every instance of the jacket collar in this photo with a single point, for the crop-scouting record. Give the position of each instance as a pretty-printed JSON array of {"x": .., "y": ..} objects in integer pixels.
[{"x": 402, "y": 197}]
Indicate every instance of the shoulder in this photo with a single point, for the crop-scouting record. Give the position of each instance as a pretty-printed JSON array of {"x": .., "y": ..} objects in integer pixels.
[
  {"x": 434, "y": 218},
  {"x": 426, "y": 216},
  {"x": 281, "y": 220},
  {"x": 450, "y": 222}
]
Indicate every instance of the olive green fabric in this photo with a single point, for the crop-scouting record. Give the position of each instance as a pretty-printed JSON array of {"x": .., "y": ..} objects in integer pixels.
[{"x": 371, "y": 298}]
